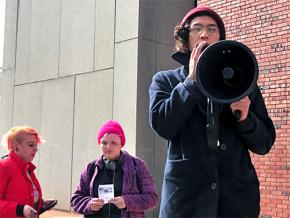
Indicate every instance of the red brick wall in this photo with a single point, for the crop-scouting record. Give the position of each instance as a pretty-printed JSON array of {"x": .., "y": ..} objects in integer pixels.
[{"x": 264, "y": 26}]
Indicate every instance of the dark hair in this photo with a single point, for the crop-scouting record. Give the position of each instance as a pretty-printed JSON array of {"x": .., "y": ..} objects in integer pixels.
[
  {"x": 181, "y": 32},
  {"x": 181, "y": 35}
]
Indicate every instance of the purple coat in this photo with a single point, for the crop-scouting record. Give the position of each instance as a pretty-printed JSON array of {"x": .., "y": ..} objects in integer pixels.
[{"x": 137, "y": 201}]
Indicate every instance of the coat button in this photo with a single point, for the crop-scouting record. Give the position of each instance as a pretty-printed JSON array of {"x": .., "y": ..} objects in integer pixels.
[
  {"x": 223, "y": 147},
  {"x": 213, "y": 186}
]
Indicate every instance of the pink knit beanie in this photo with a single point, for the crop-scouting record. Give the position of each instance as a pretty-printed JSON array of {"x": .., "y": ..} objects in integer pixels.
[{"x": 112, "y": 126}]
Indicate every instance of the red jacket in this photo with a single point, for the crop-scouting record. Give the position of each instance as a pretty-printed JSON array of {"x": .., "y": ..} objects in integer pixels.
[{"x": 15, "y": 187}]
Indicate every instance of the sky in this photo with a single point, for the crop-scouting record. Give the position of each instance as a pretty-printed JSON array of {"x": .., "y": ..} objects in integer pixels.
[{"x": 2, "y": 22}]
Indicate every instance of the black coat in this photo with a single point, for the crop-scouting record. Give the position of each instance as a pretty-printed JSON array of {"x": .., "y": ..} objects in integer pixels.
[{"x": 200, "y": 182}]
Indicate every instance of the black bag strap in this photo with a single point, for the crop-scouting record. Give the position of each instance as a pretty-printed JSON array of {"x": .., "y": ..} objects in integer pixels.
[
  {"x": 4, "y": 156},
  {"x": 212, "y": 127},
  {"x": 136, "y": 174},
  {"x": 92, "y": 170}
]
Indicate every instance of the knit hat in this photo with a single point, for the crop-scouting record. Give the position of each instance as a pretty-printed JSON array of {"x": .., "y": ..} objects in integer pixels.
[
  {"x": 112, "y": 126},
  {"x": 205, "y": 11}
]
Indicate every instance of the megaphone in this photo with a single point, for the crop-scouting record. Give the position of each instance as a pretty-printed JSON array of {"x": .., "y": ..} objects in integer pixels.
[{"x": 226, "y": 71}]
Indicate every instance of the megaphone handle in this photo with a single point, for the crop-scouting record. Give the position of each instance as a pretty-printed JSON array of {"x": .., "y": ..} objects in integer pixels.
[{"x": 237, "y": 114}]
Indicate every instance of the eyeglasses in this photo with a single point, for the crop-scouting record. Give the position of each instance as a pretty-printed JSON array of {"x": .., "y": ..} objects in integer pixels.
[{"x": 198, "y": 29}]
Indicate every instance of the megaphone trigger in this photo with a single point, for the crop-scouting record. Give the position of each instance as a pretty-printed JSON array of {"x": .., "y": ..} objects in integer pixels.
[{"x": 237, "y": 114}]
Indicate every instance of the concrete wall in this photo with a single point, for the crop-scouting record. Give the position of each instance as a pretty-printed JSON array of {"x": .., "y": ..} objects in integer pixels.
[{"x": 70, "y": 65}]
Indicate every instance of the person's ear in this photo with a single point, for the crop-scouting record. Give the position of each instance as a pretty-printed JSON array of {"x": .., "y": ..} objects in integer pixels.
[
  {"x": 182, "y": 34},
  {"x": 15, "y": 146}
]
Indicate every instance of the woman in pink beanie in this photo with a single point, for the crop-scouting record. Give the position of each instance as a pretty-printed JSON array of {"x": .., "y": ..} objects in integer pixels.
[
  {"x": 112, "y": 126},
  {"x": 116, "y": 184}
]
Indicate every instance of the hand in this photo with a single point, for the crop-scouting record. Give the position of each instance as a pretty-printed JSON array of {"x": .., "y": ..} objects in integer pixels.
[
  {"x": 242, "y": 105},
  {"x": 119, "y": 202},
  {"x": 29, "y": 211},
  {"x": 96, "y": 204},
  {"x": 193, "y": 59}
]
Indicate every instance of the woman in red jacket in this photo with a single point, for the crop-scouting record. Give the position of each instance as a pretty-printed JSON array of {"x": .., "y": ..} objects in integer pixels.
[{"x": 20, "y": 192}]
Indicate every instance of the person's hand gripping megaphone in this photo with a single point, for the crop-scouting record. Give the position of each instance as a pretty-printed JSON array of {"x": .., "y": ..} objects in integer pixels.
[
  {"x": 242, "y": 106},
  {"x": 195, "y": 53}
]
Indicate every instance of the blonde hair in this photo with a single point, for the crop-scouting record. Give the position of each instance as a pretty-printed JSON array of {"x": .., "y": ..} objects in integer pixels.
[{"x": 16, "y": 134}]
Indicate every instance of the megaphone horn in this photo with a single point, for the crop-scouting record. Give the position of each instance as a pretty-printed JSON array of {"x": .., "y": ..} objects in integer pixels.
[{"x": 226, "y": 71}]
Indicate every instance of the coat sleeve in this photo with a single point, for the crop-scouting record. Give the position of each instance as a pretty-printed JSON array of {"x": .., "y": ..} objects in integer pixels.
[
  {"x": 171, "y": 103},
  {"x": 147, "y": 198},
  {"x": 7, "y": 208},
  {"x": 257, "y": 131},
  {"x": 81, "y": 198}
]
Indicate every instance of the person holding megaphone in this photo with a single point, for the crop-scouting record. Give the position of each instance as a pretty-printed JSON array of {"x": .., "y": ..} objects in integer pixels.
[{"x": 208, "y": 171}]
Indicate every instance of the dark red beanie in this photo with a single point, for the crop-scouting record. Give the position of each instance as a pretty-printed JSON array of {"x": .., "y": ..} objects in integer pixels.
[
  {"x": 205, "y": 11},
  {"x": 112, "y": 126}
]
